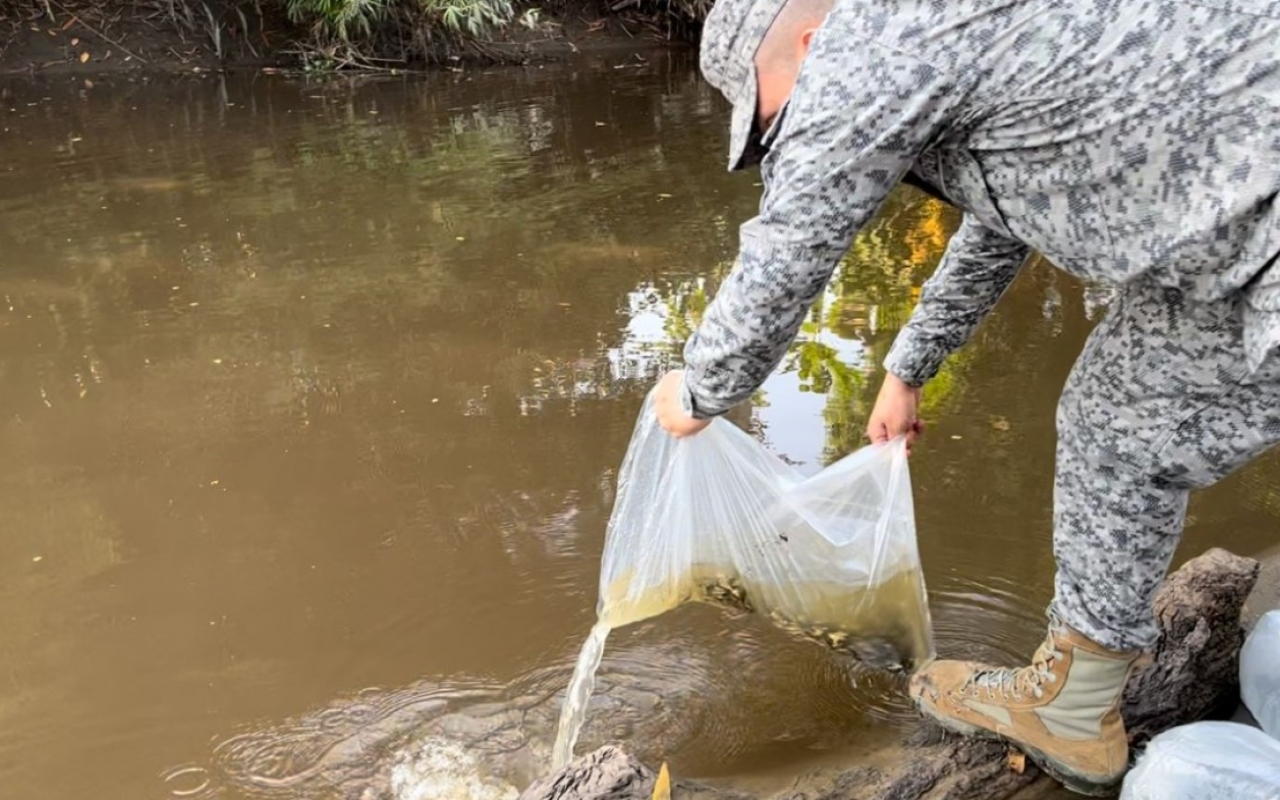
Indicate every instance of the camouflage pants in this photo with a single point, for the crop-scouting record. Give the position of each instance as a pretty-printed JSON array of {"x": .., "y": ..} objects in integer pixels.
[{"x": 1159, "y": 403}]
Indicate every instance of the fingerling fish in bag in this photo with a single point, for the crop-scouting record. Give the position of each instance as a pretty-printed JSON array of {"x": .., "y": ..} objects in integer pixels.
[{"x": 718, "y": 518}]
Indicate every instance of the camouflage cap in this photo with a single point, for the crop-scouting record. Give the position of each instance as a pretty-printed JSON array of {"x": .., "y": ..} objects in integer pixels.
[{"x": 731, "y": 36}]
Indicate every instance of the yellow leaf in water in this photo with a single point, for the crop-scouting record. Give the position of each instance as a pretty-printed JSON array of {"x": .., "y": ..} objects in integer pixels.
[
  {"x": 662, "y": 787},
  {"x": 84, "y": 57},
  {"x": 1017, "y": 762}
]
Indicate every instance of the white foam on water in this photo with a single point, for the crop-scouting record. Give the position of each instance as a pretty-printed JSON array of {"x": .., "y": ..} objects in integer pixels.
[{"x": 438, "y": 769}]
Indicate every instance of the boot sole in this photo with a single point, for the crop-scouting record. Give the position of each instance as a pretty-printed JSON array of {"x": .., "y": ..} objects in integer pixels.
[{"x": 1074, "y": 782}]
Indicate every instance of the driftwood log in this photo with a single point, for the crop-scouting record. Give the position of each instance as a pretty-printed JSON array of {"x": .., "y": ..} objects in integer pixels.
[{"x": 1192, "y": 675}]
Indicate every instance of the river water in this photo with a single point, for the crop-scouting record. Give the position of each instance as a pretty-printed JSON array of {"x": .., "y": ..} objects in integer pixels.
[{"x": 312, "y": 399}]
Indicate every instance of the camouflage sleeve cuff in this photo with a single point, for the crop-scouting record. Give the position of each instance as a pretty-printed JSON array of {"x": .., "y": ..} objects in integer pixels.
[
  {"x": 914, "y": 360},
  {"x": 977, "y": 268},
  {"x": 690, "y": 403}
]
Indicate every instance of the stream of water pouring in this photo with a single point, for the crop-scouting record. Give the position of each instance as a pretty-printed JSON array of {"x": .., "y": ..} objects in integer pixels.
[{"x": 578, "y": 696}]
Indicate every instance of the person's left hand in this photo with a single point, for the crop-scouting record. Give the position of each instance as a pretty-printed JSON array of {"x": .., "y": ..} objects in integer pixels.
[{"x": 671, "y": 414}]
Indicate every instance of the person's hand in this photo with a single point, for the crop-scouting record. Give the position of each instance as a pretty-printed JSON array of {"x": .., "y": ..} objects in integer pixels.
[
  {"x": 895, "y": 412},
  {"x": 670, "y": 411}
]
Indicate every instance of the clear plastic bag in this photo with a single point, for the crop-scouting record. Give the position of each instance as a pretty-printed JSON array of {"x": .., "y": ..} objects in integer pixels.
[
  {"x": 1207, "y": 761},
  {"x": 1260, "y": 673},
  {"x": 717, "y": 517}
]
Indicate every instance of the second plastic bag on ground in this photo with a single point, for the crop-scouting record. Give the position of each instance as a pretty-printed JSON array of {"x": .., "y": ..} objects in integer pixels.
[
  {"x": 1207, "y": 761},
  {"x": 1260, "y": 673},
  {"x": 717, "y": 517}
]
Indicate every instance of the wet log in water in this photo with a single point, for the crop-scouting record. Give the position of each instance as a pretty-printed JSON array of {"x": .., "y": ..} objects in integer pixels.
[{"x": 1193, "y": 674}]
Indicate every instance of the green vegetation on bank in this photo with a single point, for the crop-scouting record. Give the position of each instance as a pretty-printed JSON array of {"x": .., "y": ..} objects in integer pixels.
[{"x": 337, "y": 34}]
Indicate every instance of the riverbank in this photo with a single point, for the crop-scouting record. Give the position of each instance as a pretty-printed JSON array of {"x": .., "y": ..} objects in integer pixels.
[{"x": 58, "y": 38}]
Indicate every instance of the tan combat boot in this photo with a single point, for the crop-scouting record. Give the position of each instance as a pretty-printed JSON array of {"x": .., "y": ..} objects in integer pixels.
[{"x": 1063, "y": 711}]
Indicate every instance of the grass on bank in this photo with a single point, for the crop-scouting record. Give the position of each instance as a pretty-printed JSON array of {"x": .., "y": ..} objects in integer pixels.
[{"x": 366, "y": 34}]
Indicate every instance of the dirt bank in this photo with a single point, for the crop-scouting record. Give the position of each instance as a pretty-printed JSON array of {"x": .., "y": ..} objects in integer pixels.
[{"x": 62, "y": 38}]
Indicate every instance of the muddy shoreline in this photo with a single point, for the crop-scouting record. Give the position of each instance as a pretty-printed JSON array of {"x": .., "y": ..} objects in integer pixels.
[{"x": 58, "y": 40}]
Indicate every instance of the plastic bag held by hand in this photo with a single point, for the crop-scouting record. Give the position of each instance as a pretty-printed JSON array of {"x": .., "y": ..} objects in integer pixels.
[
  {"x": 717, "y": 517},
  {"x": 1260, "y": 673},
  {"x": 1207, "y": 761}
]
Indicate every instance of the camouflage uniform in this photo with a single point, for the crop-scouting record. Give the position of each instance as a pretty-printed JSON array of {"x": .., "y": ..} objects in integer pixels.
[{"x": 1135, "y": 142}]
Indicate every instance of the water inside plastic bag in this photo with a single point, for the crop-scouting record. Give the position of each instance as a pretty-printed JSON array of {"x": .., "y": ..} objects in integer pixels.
[{"x": 879, "y": 624}]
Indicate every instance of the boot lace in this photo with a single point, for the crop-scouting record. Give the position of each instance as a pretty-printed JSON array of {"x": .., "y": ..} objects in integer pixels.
[{"x": 1018, "y": 683}]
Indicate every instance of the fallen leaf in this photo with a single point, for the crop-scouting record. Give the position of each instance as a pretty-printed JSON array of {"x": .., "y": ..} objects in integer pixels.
[
  {"x": 84, "y": 57},
  {"x": 1017, "y": 761},
  {"x": 662, "y": 786},
  {"x": 1000, "y": 424}
]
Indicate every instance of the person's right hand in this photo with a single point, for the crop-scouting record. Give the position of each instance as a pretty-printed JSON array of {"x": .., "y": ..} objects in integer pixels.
[{"x": 895, "y": 412}]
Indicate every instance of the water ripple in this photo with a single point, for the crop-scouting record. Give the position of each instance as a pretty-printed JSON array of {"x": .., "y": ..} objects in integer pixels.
[
  {"x": 339, "y": 751},
  {"x": 710, "y": 690},
  {"x": 989, "y": 620}
]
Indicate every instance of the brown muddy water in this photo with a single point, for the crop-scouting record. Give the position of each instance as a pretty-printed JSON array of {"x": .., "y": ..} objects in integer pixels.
[{"x": 312, "y": 399}]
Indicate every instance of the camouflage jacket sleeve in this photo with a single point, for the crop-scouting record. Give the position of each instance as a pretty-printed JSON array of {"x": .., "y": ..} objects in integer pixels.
[
  {"x": 859, "y": 116},
  {"x": 975, "y": 271}
]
